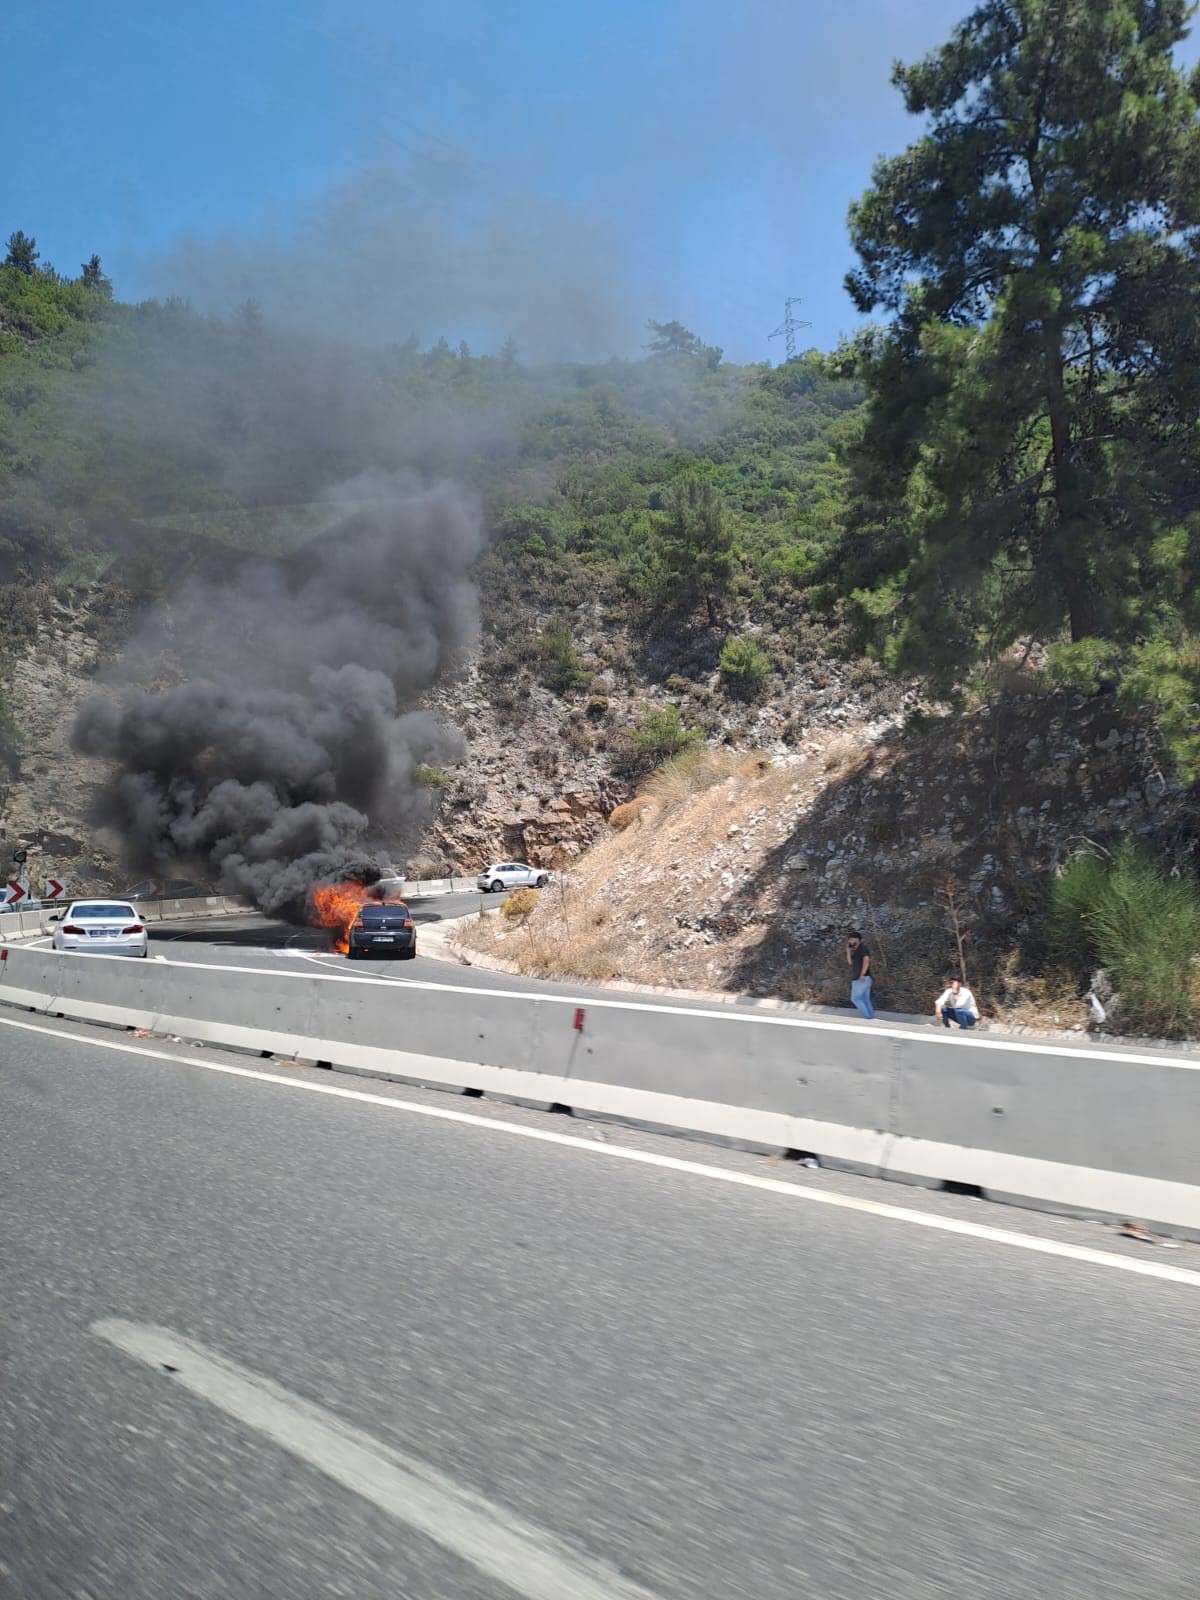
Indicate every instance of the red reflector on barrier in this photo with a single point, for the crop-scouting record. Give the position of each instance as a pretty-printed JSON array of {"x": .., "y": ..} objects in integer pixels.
[{"x": 578, "y": 1023}]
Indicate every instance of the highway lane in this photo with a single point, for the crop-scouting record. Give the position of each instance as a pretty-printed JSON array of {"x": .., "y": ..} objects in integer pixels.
[
  {"x": 256, "y": 941},
  {"x": 656, "y": 1383}
]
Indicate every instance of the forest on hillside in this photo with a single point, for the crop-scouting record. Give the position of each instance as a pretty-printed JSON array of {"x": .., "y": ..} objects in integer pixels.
[
  {"x": 141, "y": 444},
  {"x": 1007, "y": 459}
]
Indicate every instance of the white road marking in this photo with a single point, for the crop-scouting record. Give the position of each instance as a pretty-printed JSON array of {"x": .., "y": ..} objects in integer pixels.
[
  {"x": 381, "y": 971},
  {"x": 696, "y": 1169},
  {"x": 489, "y": 1537}
]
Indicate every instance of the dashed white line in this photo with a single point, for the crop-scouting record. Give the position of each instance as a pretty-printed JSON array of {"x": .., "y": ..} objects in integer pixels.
[
  {"x": 696, "y": 1169},
  {"x": 489, "y": 1537}
]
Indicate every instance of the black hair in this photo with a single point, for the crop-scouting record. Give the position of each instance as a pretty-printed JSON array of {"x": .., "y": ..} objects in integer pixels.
[{"x": 854, "y": 934}]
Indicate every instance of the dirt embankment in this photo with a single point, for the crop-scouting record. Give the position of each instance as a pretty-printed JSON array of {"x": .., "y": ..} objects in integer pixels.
[{"x": 742, "y": 874}]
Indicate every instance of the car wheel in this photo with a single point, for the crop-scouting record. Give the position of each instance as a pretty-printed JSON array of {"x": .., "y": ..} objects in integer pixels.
[
  {"x": 542, "y": 881},
  {"x": 497, "y": 887},
  {"x": 408, "y": 955}
]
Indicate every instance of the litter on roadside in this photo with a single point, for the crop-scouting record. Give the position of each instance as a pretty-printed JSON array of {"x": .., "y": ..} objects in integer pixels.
[{"x": 1134, "y": 1230}]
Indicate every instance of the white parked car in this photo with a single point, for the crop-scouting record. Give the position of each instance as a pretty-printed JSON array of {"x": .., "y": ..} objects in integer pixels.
[
  {"x": 102, "y": 927},
  {"x": 511, "y": 875}
]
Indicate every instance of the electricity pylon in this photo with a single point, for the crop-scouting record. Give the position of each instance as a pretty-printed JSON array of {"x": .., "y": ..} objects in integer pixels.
[{"x": 789, "y": 327}]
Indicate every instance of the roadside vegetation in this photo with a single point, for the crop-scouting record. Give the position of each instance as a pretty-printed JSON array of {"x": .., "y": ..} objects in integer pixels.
[{"x": 1129, "y": 922}]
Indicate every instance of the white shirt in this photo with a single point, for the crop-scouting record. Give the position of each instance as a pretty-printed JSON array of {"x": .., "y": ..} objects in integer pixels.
[{"x": 964, "y": 1002}]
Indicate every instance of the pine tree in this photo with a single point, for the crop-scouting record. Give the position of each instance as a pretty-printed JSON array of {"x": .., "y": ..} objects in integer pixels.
[
  {"x": 22, "y": 253},
  {"x": 695, "y": 545},
  {"x": 1030, "y": 450},
  {"x": 92, "y": 275}
]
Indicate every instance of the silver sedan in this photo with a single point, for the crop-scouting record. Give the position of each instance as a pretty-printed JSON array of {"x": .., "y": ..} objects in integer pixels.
[
  {"x": 511, "y": 875},
  {"x": 101, "y": 927}
]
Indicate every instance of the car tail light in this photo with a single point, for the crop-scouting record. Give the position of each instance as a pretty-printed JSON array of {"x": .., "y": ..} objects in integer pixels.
[
  {"x": 71, "y": 928},
  {"x": 407, "y": 923},
  {"x": 134, "y": 927}
]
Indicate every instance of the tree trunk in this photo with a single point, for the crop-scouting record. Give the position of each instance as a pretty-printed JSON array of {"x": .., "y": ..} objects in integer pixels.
[{"x": 1069, "y": 570}]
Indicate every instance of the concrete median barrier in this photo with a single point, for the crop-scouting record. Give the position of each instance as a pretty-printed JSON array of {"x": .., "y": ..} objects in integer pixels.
[
  {"x": 18, "y": 926},
  {"x": 1092, "y": 1130}
]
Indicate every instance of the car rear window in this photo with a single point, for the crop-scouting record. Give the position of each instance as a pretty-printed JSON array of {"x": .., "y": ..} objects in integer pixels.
[
  {"x": 377, "y": 916},
  {"x": 102, "y": 908}
]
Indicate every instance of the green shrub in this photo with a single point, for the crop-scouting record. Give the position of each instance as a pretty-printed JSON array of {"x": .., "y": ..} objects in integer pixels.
[
  {"x": 1139, "y": 919},
  {"x": 562, "y": 670},
  {"x": 1087, "y": 666},
  {"x": 744, "y": 665},
  {"x": 1163, "y": 674},
  {"x": 433, "y": 777},
  {"x": 661, "y": 732}
]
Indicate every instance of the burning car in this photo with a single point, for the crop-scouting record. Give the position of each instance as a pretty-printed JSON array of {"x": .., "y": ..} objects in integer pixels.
[
  {"x": 364, "y": 919},
  {"x": 382, "y": 930}
]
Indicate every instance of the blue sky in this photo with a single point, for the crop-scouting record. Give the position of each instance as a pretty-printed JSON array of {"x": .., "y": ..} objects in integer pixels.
[{"x": 559, "y": 171}]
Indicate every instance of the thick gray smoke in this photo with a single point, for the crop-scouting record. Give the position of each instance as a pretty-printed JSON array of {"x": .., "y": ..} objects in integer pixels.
[{"x": 292, "y": 747}]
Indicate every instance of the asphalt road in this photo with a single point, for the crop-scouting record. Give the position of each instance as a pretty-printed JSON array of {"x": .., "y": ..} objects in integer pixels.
[
  {"x": 403, "y": 1355},
  {"x": 255, "y": 941}
]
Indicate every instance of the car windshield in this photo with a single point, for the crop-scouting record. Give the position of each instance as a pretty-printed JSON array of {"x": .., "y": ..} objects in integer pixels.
[{"x": 98, "y": 909}]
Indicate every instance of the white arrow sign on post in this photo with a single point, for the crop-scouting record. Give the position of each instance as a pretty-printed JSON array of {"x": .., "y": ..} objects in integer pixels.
[
  {"x": 54, "y": 890},
  {"x": 16, "y": 892}
]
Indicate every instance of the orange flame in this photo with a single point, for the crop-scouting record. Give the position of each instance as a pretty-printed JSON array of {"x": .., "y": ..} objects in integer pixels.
[{"x": 336, "y": 905}]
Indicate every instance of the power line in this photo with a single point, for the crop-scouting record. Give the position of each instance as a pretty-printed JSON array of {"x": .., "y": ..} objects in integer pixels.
[{"x": 789, "y": 327}]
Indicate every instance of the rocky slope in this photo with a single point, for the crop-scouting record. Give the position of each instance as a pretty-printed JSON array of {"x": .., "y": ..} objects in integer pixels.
[
  {"x": 747, "y": 880},
  {"x": 835, "y": 798}
]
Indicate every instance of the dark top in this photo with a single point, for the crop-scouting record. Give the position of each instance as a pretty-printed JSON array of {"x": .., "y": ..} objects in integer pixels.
[{"x": 857, "y": 957}]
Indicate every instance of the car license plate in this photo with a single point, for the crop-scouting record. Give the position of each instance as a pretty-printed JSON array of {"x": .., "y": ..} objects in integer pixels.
[{"x": 385, "y": 938}]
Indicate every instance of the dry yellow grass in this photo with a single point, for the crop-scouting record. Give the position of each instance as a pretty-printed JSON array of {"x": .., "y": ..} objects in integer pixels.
[
  {"x": 626, "y": 909},
  {"x": 691, "y": 772},
  {"x": 519, "y": 904},
  {"x": 632, "y": 811}
]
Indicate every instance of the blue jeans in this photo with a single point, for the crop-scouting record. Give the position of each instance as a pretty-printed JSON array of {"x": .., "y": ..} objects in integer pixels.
[
  {"x": 860, "y": 995},
  {"x": 965, "y": 1019}
]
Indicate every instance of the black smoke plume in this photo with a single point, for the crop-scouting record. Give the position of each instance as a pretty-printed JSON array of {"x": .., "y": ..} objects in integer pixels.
[{"x": 292, "y": 750}]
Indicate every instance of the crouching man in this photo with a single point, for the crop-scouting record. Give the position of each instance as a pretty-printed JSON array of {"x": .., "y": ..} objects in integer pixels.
[{"x": 956, "y": 1004}]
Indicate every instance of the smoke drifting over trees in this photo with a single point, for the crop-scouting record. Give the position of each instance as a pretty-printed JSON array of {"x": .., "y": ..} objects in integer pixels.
[
  {"x": 426, "y": 248},
  {"x": 292, "y": 737}
]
